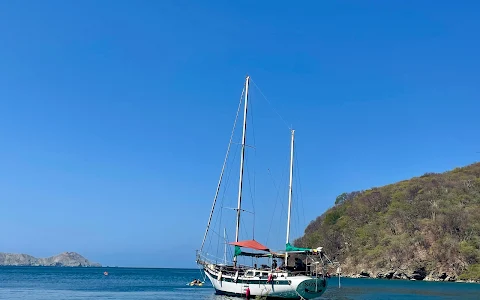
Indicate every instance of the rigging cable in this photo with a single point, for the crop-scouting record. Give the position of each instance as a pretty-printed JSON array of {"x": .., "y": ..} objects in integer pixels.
[
  {"x": 283, "y": 120},
  {"x": 276, "y": 200},
  {"x": 229, "y": 250},
  {"x": 273, "y": 108},
  {"x": 225, "y": 188},
  {"x": 299, "y": 200},
  {"x": 295, "y": 218},
  {"x": 300, "y": 189},
  {"x": 252, "y": 195},
  {"x": 223, "y": 169},
  {"x": 297, "y": 210}
]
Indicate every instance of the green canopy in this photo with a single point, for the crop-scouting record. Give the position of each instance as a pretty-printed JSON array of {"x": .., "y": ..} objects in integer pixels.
[{"x": 290, "y": 248}]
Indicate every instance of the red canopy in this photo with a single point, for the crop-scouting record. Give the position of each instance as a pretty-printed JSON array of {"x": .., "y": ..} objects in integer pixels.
[{"x": 252, "y": 244}]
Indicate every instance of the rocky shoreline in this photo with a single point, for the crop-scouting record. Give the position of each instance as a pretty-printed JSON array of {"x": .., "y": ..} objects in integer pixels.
[{"x": 418, "y": 274}]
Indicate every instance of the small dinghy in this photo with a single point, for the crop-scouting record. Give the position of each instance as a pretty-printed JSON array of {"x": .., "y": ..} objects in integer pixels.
[{"x": 195, "y": 282}]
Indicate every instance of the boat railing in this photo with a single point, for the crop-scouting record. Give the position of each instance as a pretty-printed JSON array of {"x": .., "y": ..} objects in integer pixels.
[
  {"x": 315, "y": 265},
  {"x": 211, "y": 259},
  {"x": 229, "y": 269}
]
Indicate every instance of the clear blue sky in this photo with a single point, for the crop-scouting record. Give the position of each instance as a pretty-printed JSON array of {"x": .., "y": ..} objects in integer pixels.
[{"x": 115, "y": 115}]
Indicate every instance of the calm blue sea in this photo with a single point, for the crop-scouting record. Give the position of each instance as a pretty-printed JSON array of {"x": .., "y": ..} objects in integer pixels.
[{"x": 44, "y": 283}]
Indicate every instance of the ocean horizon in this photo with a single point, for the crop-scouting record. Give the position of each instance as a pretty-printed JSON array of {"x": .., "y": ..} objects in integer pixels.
[{"x": 146, "y": 283}]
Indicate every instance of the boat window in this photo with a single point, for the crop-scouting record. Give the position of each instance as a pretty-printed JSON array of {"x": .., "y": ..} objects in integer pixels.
[
  {"x": 249, "y": 274},
  {"x": 257, "y": 274}
]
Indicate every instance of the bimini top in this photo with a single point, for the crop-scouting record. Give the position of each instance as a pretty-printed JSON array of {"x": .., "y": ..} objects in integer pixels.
[
  {"x": 252, "y": 244},
  {"x": 290, "y": 248}
]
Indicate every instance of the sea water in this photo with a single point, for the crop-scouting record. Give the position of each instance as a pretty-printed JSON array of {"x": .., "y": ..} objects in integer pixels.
[{"x": 53, "y": 283}]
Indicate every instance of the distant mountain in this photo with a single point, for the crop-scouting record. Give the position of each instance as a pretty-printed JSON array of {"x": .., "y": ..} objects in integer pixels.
[
  {"x": 65, "y": 259},
  {"x": 425, "y": 228}
]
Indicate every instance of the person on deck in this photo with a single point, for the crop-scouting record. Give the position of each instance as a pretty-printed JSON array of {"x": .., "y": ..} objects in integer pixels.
[
  {"x": 274, "y": 264},
  {"x": 299, "y": 266}
]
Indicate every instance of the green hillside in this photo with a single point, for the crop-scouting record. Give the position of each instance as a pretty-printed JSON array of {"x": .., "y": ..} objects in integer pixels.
[{"x": 427, "y": 228}]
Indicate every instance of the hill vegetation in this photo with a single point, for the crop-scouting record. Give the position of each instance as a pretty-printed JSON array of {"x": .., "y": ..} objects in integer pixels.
[{"x": 425, "y": 228}]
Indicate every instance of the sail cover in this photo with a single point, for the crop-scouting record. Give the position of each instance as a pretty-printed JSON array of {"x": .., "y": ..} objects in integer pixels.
[
  {"x": 290, "y": 248},
  {"x": 252, "y": 244}
]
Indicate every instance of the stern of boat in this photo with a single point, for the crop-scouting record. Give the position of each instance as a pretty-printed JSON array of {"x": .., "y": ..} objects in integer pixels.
[{"x": 311, "y": 288}]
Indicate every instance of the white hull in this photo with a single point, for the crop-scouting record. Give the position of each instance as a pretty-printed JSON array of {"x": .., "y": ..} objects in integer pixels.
[{"x": 288, "y": 287}]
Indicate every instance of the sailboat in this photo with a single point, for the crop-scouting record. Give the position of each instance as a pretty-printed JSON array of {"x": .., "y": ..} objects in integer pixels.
[{"x": 304, "y": 279}]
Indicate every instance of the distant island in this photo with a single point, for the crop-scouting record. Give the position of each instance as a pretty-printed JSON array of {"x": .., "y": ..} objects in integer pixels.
[
  {"x": 425, "y": 228},
  {"x": 65, "y": 259}
]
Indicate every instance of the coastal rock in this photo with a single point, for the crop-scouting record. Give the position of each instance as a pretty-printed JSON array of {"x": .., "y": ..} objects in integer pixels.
[
  {"x": 400, "y": 275},
  {"x": 451, "y": 278},
  {"x": 441, "y": 276},
  {"x": 389, "y": 275},
  {"x": 364, "y": 274},
  {"x": 431, "y": 278},
  {"x": 65, "y": 259},
  {"x": 419, "y": 274}
]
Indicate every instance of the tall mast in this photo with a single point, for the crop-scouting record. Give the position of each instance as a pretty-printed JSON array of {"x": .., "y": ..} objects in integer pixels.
[
  {"x": 242, "y": 158},
  {"x": 290, "y": 193}
]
